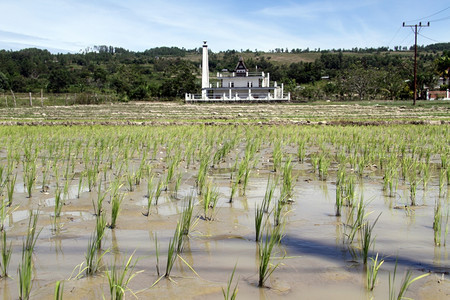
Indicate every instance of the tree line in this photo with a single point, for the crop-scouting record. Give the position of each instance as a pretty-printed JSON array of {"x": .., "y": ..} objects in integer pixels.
[{"x": 170, "y": 72}]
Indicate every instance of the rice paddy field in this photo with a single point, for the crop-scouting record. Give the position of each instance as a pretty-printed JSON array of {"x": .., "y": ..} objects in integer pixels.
[{"x": 221, "y": 201}]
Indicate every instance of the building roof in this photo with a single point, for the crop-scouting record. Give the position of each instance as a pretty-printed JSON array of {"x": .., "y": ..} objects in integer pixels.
[{"x": 241, "y": 69}]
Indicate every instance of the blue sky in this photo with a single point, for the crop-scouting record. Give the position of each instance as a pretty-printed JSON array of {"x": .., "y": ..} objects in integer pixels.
[{"x": 73, "y": 25}]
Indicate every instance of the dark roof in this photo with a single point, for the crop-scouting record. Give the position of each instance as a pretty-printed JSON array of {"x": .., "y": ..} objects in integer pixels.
[{"x": 240, "y": 67}]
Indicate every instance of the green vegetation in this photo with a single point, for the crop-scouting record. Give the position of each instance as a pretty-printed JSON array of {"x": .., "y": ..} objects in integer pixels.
[
  {"x": 105, "y": 74},
  {"x": 119, "y": 278},
  {"x": 229, "y": 293}
]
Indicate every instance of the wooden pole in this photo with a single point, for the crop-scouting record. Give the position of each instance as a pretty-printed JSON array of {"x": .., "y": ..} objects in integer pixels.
[
  {"x": 14, "y": 97},
  {"x": 42, "y": 97},
  {"x": 31, "y": 100}
]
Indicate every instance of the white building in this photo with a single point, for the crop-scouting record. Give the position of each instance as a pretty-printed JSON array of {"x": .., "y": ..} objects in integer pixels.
[{"x": 239, "y": 85}]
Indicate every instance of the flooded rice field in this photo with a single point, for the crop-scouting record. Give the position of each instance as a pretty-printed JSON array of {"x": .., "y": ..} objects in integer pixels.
[{"x": 286, "y": 212}]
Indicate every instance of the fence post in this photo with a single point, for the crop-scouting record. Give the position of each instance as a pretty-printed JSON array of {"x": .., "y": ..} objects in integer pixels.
[
  {"x": 42, "y": 98},
  {"x": 31, "y": 100}
]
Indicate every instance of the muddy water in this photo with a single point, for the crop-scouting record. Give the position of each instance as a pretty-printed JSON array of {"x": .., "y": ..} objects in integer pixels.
[{"x": 317, "y": 263}]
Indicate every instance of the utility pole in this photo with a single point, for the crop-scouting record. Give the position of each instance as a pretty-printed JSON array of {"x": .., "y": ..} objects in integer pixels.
[{"x": 415, "y": 54}]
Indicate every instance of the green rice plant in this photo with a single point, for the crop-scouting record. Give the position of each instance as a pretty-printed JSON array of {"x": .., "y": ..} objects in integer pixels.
[
  {"x": 6, "y": 254},
  {"x": 32, "y": 235},
  {"x": 98, "y": 205},
  {"x": 323, "y": 165},
  {"x": 186, "y": 215},
  {"x": 159, "y": 189},
  {"x": 301, "y": 150},
  {"x": 130, "y": 181},
  {"x": 177, "y": 183},
  {"x": 354, "y": 223},
  {"x": 150, "y": 194},
  {"x": 202, "y": 173},
  {"x": 277, "y": 156},
  {"x": 25, "y": 274},
  {"x": 80, "y": 183},
  {"x": 234, "y": 188},
  {"x": 172, "y": 250},
  {"x": 390, "y": 180},
  {"x": 58, "y": 203},
  {"x": 270, "y": 192},
  {"x": 277, "y": 210},
  {"x": 339, "y": 202},
  {"x": 444, "y": 160},
  {"x": 59, "y": 290},
  {"x": 100, "y": 226},
  {"x": 30, "y": 179},
  {"x": 25, "y": 269},
  {"x": 259, "y": 215},
  {"x": 314, "y": 161},
  {"x": 119, "y": 278},
  {"x": 10, "y": 188},
  {"x": 91, "y": 178},
  {"x": 366, "y": 238},
  {"x": 265, "y": 249},
  {"x": 372, "y": 272},
  {"x": 442, "y": 174},
  {"x": 210, "y": 198},
  {"x": 287, "y": 187},
  {"x": 246, "y": 176},
  {"x": 157, "y": 254},
  {"x": 425, "y": 174},
  {"x": 413, "y": 182},
  {"x": 93, "y": 255},
  {"x": 116, "y": 201},
  {"x": 405, "y": 284},
  {"x": 440, "y": 222},
  {"x": 3, "y": 213},
  {"x": 231, "y": 294},
  {"x": 361, "y": 164}
]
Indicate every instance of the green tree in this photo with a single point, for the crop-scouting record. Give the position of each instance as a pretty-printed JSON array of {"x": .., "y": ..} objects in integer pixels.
[
  {"x": 443, "y": 66},
  {"x": 4, "y": 83}
]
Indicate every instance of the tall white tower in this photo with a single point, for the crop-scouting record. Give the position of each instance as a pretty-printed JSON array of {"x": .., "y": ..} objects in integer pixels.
[{"x": 205, "y": 70}]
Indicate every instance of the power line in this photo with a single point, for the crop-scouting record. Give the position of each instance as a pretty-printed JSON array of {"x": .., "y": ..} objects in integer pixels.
[
  {"x": 429, "y": 38},
  {"x": 416, "y": 26},
  {"x": 432, "y": 15},
  {"x": 441, "y": 19}
]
